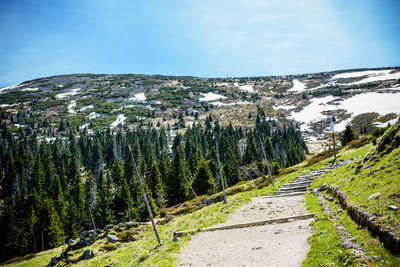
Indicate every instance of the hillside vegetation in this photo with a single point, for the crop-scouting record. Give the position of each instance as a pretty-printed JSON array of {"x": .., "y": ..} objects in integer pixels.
[
  {"x": 59, "y": 189},
  {"x": 375, "y": 168}
]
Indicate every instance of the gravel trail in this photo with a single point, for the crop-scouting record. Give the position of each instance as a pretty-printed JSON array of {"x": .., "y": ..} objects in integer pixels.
[{"x": 277, "y": 244}]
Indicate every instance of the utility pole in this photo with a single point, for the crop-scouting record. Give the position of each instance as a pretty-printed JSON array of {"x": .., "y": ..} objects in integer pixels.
[
  {"x": 334, "y": 149},
  {"x": 145, "y": 197},
  {"x": 90, "y": 213},
  {"x": 220, "y": 173},
  {"x": 332, "y": 120},
  {"x": 41, "y": 231},
  {"x": 265, "y": 158},
  {"x": 34, "y": 242},
  {"x": 191, "y": 188},
  {"x": 129, "y": 212}
]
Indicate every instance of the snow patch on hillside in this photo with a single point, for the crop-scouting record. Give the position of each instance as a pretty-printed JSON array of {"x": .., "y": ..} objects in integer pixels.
[
  {"x": 119, "y": 121},
  {"x": 68, "y": 94},
  {"x": 358, "y": 74},
  {"x": 71, "y": 107},
  {"x": 140, "y": 97},
  {"x": 287, "y": 107},
  {"x": 313, "y": 111},
  {"x": 384, "y": 124},
  {"x": 94, "y": 115},
  {"x": 87, "y": 107},
  {"x": 369, "y": 102},
  {"x": 8, "y": 105},
  {"x": 370, "y": 76},
  {"x": 297, "y": 86},
  {"x": 2, "y": 90},
  {"x": 393, "y": 76},
  {"x": 219, "y": 104},
  {"x": 30, "y": 89},
  {"x": 84, "y": 126},
  {"x": 381, "y": 103},
  {"x": 211, "y": 96},
  {"x": 246, "y": 88},
  {"x": 221, "y": 84}
]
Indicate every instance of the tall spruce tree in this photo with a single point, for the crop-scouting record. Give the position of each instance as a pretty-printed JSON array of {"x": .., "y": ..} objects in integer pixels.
[
  {"x": 203, "y": 182},
  {"x": 102, "y": 209},
  {"x": 348, "y": 135},
  {"x": 156, "y": 186},
  {"x": 175, "y": 183}
]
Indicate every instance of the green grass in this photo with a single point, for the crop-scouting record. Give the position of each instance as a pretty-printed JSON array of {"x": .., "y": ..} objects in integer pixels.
[
  {"x": 357, "y": 183},
  {"x": 372, "y": 246},
  {"x": 41, "y": 259},
  {"x": 325, "y": 247},
  {"x": 146, "y": 252},
  {"x": 382, "y": 176}
]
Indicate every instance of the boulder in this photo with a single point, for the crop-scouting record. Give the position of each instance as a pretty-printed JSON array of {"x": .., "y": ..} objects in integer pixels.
[
  {"x": 88, "y": 254},
  {"x": 83, "y": 235},
  {"x": 207, "y": 201},
  {"x": 53, "y": 261},
  {"x": 108, "y": 227},
  {"x": 374, "y": 195},
  {"x": 112, "y": 238},
  {"x": 129, "y": 225},
  {"x": 393, "y": 207}
]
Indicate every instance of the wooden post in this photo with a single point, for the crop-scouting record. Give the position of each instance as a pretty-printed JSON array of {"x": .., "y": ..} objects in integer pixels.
[
  {"x": 332, "y": 120},
  {"x": 220, "y": 173},
  {"x": 129, "y": 212},
  {"x": 34, "y": 242},
  {"x": 145, "y": 197},
  {"x": 90, "y": 213},
  {"x": 191, "y": 188},
  {"x": 42, "y": 240},
  {"x": 334, "y": 148},
  {"x": 265, "y": 158}
]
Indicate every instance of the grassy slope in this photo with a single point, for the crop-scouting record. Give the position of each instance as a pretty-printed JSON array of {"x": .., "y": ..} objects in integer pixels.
[
  {"x": 379, "y": 175},
  {"x": 145, "y": 251},
  {"x": 325, "y": 247}
]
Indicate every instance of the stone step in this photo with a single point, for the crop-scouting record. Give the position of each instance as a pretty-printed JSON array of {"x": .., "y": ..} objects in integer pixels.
[
  {"x": 287, "y": 194},
  {"x": 291, "y": 191},
  {"x": 298, "y": 183},
  {"x": 286, "y": 187}
]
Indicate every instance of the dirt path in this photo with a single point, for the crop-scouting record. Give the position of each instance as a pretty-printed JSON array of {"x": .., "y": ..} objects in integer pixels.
[{"x": 279, "y": 244}]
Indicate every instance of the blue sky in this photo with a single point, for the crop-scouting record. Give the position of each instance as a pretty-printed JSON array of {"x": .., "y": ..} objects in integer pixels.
[{"x": 207, "y": 38}]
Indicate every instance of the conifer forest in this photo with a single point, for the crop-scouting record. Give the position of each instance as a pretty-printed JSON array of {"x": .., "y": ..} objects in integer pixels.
[{"x": 53, "y": 190}]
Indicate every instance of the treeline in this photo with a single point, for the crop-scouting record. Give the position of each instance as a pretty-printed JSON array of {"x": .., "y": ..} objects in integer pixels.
[{"x": 54, "y": 189}]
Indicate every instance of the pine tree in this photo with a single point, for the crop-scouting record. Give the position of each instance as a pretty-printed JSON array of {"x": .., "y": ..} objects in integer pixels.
[
  {"x": 142, "y": 213},
  {"x": 252, "y": 153},
  {"x": 102, "y": 211},
  {"x": 123, "y": 204},
  {"x": 175, "y": 184},
  {"x": 203, "y": 182},
  {"x": 51, "y": 225},
  {"x": 57, "y": 196},
  {"x": 77, "y": 216},
  {"x": 117, "y": 172},
  {"x": 156, "y": 186},
  {"x": 347, "y": 136}
]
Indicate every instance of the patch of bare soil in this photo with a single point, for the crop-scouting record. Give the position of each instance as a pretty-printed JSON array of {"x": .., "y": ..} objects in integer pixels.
[{"x": 278, "y": 244}]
